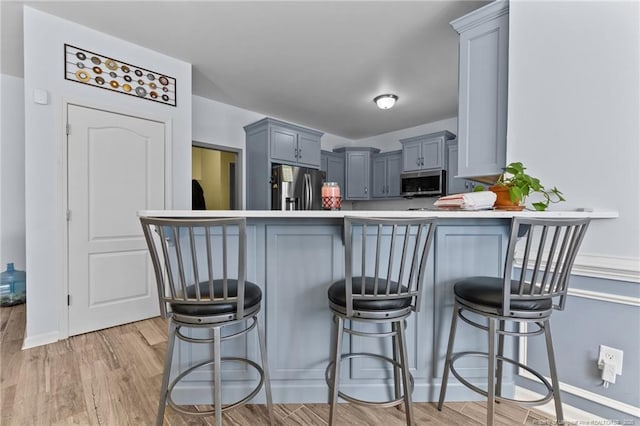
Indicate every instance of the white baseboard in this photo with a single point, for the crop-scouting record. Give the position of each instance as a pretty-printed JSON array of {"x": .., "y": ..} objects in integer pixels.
[
  {"x": 571, "y": 413},
  {"x": 40, "y": 339}
]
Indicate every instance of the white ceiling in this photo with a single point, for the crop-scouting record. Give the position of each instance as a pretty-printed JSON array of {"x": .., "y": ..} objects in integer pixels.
[{"x": 315, "y": 63}]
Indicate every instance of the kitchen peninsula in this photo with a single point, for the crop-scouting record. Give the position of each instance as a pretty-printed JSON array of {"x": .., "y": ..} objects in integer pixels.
[{"x": 295, "y": 255}]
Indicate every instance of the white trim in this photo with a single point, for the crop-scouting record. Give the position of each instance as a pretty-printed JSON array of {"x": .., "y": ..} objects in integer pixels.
[
  {"x": 591, "y": 396},
  {"x": 571, "y": 413},
  {"x": 40, "y": 339},
  {"x": 582, "y": 393},
  {"x": 607, "y": 267},
  {"x": 605, "y": 297}
]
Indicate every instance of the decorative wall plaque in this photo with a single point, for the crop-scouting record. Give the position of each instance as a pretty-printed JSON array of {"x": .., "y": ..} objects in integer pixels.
[{"x": 83, "y": 66}]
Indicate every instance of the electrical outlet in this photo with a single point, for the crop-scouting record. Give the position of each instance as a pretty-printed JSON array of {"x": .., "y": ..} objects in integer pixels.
[{"x": 610, "y": 356}]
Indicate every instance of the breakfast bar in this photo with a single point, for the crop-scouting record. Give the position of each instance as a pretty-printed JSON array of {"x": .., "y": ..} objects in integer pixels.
[{"x": 294, "y": 256}]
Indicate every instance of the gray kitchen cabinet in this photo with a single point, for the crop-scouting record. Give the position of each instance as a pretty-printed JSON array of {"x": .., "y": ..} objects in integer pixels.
[
  {"x": 385, "y": 178},
  {"x": 270, "y": 141},
  {"x": 332, "y": 163},
  {"x": 455, "y": 184},
  {"x": 424, "y": 152},
  {"x": 482, "y": 90},
  {"x": 296, "y": 147},
  {"x": 357, "y": 172},
  {"x": 483, "y": 249}
]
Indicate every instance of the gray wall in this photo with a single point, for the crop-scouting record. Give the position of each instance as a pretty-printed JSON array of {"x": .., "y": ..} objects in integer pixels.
[
  {"x": 573, "y": 119},
  {"x": 598, "y": 312}
]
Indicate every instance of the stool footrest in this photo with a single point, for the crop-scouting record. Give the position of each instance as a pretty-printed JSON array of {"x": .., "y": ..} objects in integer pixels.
[
  {"x": 476, "y": 389},
  {"x": 190, "y": 370},
  {"x": 381, "y": 404}
]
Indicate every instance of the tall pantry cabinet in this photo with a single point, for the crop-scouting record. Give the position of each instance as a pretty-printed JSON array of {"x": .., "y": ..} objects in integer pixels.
[{"x": 482, "y": 90}]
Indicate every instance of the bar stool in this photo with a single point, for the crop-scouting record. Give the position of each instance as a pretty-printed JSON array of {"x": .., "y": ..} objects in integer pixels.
[
  {"x": 548, "y": 249},
  {"x": 200, "y": 267},
  {"x": 383, "y": 287}
]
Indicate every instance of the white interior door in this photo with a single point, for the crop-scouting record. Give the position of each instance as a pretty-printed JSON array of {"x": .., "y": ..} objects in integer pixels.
[{"x": 116, "y": 166}]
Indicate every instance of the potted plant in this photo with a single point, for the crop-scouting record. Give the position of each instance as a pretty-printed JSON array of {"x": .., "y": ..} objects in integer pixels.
[{"x": 514, "y": 185}]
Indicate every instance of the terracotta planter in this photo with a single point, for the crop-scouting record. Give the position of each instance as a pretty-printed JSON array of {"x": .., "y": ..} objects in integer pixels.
[{"x": 503, "y": 200}]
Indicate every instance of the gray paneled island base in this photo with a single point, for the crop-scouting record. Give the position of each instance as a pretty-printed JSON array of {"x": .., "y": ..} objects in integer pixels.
[{"x": 294, "y": 256}]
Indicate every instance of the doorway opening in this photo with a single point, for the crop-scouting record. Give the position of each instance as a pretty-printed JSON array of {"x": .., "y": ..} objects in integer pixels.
[{"x": 215, "y": 177}]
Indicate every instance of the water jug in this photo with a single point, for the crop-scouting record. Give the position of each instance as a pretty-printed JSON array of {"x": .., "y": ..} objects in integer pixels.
[{"x": 13, "y": 290}]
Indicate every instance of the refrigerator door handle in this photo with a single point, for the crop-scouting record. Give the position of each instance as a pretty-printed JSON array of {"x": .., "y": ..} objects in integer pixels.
[
  {"x": 310, "y": 205},
  {"x": 307, "y": 192}
]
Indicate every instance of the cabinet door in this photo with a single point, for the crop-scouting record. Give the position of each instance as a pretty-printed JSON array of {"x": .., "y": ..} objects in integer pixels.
[
  {"x": 455, "y": 185},
  {"x": 357, "y": 175},
  {"x": 482, "y": 109},
  {"x": 284, "y": 144},
  {"x": 335, "y": 171},
  {"x": 432, "y": 154},
  {"x": 394, "y": 168},
  {"x": 324, "y": 163},
  {"x": 379, "y": 177},
  {"x": 308, "y": 150},
  {"x": 411, "y": 153},
  {"x": 479, "y": 251},
  {"x": 300, "y": 327}
]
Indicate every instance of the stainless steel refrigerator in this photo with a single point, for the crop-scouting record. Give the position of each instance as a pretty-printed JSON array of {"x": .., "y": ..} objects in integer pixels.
[{"x": 296, "y": 188}]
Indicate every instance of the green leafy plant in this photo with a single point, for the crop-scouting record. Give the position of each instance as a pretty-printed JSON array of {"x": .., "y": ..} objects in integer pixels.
[{"x": 521, "y": 185}]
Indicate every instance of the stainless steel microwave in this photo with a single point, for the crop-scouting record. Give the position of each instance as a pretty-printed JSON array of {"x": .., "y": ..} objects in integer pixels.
[{"x": 424, "y": 184}]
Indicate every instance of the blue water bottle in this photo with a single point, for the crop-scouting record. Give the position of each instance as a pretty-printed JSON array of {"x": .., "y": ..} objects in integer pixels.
[{"x": 13, "y": 289}]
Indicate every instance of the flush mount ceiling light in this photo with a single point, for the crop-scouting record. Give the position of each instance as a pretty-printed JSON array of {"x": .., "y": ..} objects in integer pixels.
[{"x": 385, "y": 101}]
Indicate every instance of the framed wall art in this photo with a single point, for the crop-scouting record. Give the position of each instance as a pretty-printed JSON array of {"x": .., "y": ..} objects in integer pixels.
[{"x": 86, "y": 67}]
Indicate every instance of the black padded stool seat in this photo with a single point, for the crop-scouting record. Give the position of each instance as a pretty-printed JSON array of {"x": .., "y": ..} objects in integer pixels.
[
  {"x": 252, "y": 297},
  {"x": 487, "y": 291},
  {"x": 337, "y": 295}
]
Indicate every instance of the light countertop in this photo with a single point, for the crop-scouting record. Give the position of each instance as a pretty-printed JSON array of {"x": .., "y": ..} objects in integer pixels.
[{"x": 339, "y": 214}]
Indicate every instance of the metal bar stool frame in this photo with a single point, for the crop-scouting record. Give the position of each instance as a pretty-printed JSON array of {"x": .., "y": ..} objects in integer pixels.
[
  {"x": 550, "y": 249},
  {"x": 378, "y": 299},
  {"x": 185, "y": 284}
]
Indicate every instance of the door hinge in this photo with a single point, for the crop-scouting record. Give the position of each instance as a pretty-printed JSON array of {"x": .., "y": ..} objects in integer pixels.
[
  {"x": 68, "y": 300},
  {"x": 68, "y": 215},
  {"x": 68, "y": 129}
]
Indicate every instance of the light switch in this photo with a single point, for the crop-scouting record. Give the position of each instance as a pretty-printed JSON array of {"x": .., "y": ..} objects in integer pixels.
[{"x": 40, "y": 96}]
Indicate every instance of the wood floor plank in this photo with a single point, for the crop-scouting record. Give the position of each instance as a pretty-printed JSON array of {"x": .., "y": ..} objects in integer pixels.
[
  {"x": 304, "y": 415},
  {"x": 112, "y": 377},
  {"x": 505, "y": 414}
]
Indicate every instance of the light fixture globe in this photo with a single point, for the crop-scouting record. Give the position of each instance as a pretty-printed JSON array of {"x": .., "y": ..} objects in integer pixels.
[{"x": 385, "y": 101}]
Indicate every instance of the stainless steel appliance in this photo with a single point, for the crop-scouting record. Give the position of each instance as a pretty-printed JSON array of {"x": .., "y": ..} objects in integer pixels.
[
  {"x": 424, "y": 184},
  {"x": 296, "y": 188}
]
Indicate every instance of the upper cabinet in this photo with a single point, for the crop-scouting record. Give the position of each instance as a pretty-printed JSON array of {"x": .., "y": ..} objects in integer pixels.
[
  {"x": 455, "y": 185},
  {"x": 385, "y": 179},
  {"x": 294, "y": 145},
  {"x": 332, "y": 163},
  {"x": 425, "y": 152},
  {"x": 271, "y": 141},
  {"x": 482, "y": 90},
  {"x": 357, "y": 172}
]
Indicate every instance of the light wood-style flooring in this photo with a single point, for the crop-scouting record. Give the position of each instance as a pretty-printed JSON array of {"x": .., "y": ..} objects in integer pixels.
[{"x": 112, "y": 377}]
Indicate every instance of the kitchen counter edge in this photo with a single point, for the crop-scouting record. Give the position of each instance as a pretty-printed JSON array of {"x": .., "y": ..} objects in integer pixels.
[{"x": 339, "y": 214}]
